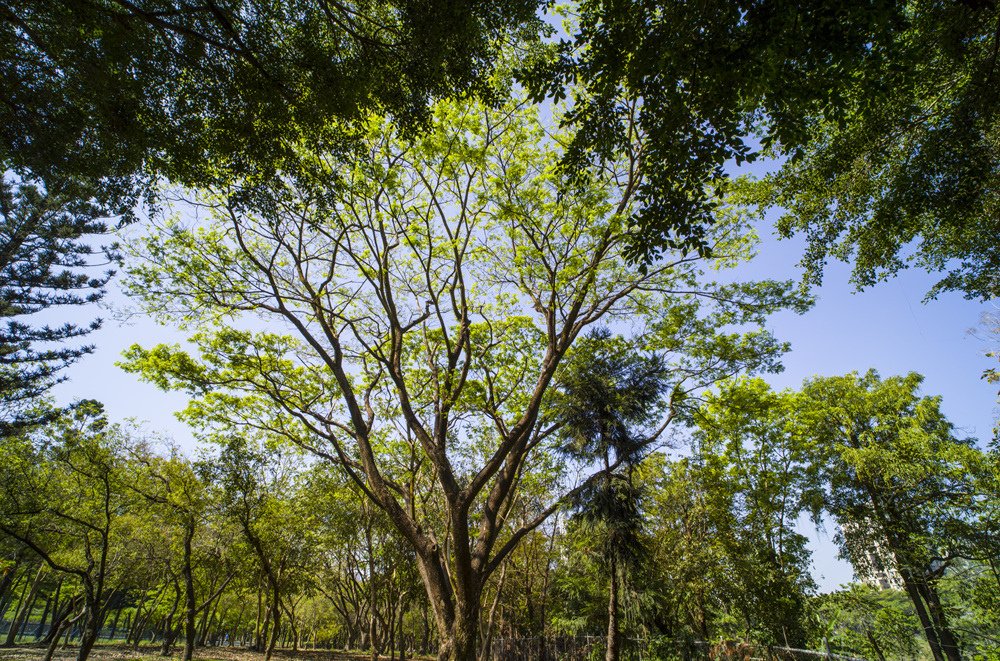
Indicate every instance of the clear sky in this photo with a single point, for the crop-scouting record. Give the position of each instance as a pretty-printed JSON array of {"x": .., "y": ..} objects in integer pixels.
[{"x": 887, "y": 328}]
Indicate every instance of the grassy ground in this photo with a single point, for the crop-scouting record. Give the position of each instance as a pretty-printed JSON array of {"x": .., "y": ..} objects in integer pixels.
[{"x": 121, "y": 653}]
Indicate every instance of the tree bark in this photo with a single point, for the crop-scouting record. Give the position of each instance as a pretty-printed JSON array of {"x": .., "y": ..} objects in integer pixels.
[
  {"x": 24, "y": 607},
  {"x": 910, "y": 585},
  {"x": 91, "y": 629},
  {"x": 947, "y": 639},
  {"x": 190, "y": 609},
  {"x": 612, "y": 651}
]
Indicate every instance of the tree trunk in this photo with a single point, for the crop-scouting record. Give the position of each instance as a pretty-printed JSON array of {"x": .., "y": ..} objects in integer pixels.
[
  {"x": 949, "y": 644},
  {"x": 190, "y": 611},
  {"x": 41, "y": 620},
  {"x": 875, "y": 646},
  {"x": 258, "y": 642},
  {"x": 910, "y": 585},
  {"x": 91, "y": 624},
  {"x": 24, "y": 608},
  {"x": 168, "y": 623},
  {"x": 459, "y": 641},
  {"x": 275, "y": 610},
  {"x": 58, "y": 627},
  {"x": 612, "y": 652}
]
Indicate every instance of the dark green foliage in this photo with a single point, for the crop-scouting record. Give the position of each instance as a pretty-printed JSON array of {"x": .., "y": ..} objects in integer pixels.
[
  {"x": 120, "y": 92},
  {"x": 905, "y": 169},
  {"x": 610, "y": 392},
  {"x": 885, "y": 113},
  {"x": 46, "y": 260},
  {"x": 710, "y": 80}
]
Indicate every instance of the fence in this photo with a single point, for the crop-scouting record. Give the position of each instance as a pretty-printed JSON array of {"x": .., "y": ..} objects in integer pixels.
[
  {"x": 34, "y": 631},
  {"x": 591, "y": 648}
]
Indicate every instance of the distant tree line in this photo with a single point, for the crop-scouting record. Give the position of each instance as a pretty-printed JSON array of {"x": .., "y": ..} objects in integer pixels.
[{"x": 106, "y": 528}]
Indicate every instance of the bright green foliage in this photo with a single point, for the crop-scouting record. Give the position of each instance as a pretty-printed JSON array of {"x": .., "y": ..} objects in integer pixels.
[
  {"x": 876, "y": 624},
  {"x": 757, "y": 476},
  {"x": 900, "y": 484},
  {"x": 65, "y": 494},
  {"x": 421, "y": 299}
]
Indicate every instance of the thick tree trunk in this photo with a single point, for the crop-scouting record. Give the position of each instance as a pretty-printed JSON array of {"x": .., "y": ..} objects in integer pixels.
[
  {"x": 91, "y": 628},
  {"x": 460, "y": 642},
  {"x": 613, "y": 652},
  {"x": 949, "y": 643}
]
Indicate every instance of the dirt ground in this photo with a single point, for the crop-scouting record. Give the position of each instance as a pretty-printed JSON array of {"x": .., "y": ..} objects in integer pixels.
[{"x": 121, "y": 653}]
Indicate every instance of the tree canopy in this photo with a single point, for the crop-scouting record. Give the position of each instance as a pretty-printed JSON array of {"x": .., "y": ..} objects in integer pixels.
[
  {"x": 432, "y": 289},
  {"x": 884, "y": 115},
  {"x": 122, "y": 92}
]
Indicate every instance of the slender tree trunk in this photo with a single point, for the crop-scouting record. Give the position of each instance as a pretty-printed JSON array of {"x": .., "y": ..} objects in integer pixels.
[
  {"x": 58, "y": 627},
  {"x": 874, "y": 644},
  {"x": 23, "y": 610},
  {"x": 114, "y": 623},
  {"x": 168, "y": 623},
  {"x": 402, "y": 637},
  {"x": 41, "y": 620},
  {"x": 910, "y": 585},
  {"x": 426, "y": 637},
  {"x": 487, "y": 638},
  {"x": 275, "y": 627},
  {"x": 258, "y": 643},
  {"x": 613, "y": 652},
  {"x": 190, "y": 609}
]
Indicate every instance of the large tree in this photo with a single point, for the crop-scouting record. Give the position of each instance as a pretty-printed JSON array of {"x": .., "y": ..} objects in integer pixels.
[
  {"x": 426, "y": 293},
  {"x": 48, "y": 261},
  {"x": 899, "y": 482}
]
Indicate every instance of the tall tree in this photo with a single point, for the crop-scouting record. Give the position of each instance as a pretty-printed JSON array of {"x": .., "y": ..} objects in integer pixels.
[
  {"x": 899, "y": 480},
  {"x": 172, "y": 485},
  {"x": 432, "y": 289},
  {"x": 47, "y": 261},
  {"x": 758, "y": 475},
  {"x": 610, "y": 396},
  {"x": 65, "y": 495}
]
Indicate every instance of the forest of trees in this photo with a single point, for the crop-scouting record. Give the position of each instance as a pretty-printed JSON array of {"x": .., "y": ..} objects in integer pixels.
[{"x": 468, "y": 351}]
